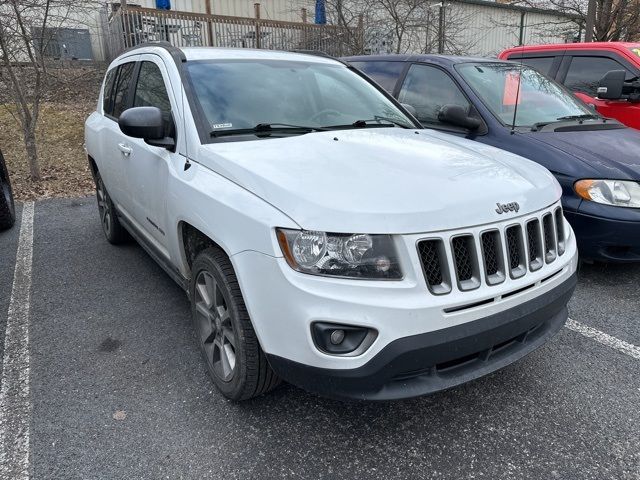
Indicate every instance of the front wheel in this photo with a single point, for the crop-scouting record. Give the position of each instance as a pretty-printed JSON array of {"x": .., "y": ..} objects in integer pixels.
[{"x": 235, "y": 361}]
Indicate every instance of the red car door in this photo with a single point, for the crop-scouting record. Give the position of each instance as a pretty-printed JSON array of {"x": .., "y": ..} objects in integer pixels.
[{"x": 585, "y": 69}]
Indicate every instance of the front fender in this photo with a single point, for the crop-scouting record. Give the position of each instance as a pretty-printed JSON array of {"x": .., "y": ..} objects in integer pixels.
[{"x": 231, "y": 216}]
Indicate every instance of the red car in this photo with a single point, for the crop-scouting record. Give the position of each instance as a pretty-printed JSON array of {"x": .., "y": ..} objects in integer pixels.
[{"x": 582, "y": 67}]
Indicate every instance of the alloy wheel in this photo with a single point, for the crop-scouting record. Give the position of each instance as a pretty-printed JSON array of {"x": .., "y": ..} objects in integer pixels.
[
  {"x": 104, "y": 206},
  {"x": 215, "y": 328}
]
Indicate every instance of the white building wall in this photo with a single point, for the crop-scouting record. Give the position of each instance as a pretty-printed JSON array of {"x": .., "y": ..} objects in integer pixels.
[
  {"x": 489, "y": 29},
  {"x": 473, "y": 29}
]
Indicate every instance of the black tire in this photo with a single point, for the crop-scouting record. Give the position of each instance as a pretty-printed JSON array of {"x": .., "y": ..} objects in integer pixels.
[
  {"x": 7, "y": 205},
  {"x": 111, "y": 226},
  {"x": 222, "y": 325}
]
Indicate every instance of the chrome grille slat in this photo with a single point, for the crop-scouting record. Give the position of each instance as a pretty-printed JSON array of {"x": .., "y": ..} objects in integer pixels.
[
  {"x": 462, "y": 257},
  {"x": 465, "y": 259},
  {"x": 550, "y": 240},
  {"x": 534, "y": 245},
  {"x": 515, "y": 247},
  {"x": 470, "y": 260},
  {"x": 493, "y": 257},
  {"x": 434, "y": 265},
  {"x": 559, "y": 218}
]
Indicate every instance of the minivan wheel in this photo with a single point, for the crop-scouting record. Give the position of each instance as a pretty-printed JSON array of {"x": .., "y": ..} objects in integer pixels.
[
  {"x": 111, "y": 226},
  {"x": 7, "y": 205},
  {"x": 235, "y": 361}
]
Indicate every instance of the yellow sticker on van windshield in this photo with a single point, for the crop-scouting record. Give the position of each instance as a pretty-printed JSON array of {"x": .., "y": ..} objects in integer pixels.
[{"x": 636, "y": 51}]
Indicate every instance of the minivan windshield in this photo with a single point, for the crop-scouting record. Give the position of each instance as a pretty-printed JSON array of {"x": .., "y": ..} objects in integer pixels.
[
  {"x": 290, "y": 97},
  {"x": 540, "y": 100}
]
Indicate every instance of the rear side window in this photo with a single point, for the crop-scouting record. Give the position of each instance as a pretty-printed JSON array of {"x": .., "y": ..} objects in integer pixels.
[
  {"x": 541, "y": 64},
  {"x": 121, "y": 88},
  {"x": 108, "y": 90},
  {"x": 428, "y": 89},
  {"x": 152, "y": 92},
  {"x": 385, "y": 74},
  {"x": 586, "y": 72}
]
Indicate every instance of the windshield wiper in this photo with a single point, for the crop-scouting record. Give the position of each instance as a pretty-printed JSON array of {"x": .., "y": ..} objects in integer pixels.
[
  {"x": 368, "y": 123},
  {"x": 267, "y": 128},
  {"x": 586, "y": 116}
]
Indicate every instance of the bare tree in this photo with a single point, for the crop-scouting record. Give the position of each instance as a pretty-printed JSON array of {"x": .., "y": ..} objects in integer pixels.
[
  {"x": 27, "y": 28},
  {"x": 404, "y": 26},
  {"x": 616, "y": 20}
]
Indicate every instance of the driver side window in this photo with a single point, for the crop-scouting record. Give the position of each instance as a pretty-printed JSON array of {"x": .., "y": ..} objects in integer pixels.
[
  {"x": 152, "y": 92},
  {"x": 428, "y": 89}
]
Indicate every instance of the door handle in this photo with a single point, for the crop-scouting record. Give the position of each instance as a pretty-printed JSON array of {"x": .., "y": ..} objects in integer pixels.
[{"x": 125, "y": 149}]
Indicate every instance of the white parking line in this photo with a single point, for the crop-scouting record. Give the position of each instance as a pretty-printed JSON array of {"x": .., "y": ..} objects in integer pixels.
[
  {"x": 605, "y": 339},
  {"x": 15, "y": 405}
]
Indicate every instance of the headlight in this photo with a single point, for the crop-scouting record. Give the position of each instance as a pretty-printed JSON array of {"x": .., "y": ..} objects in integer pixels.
[
  {"x": 348, "y": 255},
  {"x": 621, "y": 193}
]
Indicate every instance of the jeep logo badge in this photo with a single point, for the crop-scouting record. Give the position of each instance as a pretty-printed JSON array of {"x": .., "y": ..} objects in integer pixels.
[{"x": 507, "y": 207}]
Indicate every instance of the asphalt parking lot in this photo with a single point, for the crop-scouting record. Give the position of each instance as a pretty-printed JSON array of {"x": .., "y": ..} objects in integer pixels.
[{"x": 117, "y": 389}]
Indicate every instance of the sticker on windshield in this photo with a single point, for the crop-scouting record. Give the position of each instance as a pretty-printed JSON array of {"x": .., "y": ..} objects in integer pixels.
[
  {"x": 636, "y": 51},
  {"x": 216, "y": 126},
  {"x": 511, "y": 86}
]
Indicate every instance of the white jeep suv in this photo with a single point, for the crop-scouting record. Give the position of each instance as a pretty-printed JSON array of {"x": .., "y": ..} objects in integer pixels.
[{"x": 322, "y": 236}]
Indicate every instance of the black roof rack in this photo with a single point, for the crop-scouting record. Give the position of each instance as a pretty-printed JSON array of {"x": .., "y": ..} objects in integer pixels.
[{"x": 177, "y": 54}]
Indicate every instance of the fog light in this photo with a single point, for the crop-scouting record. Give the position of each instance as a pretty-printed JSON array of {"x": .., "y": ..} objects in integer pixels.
[
  {"x": 337, "y": 336},
  {"x": 339, "y": 339}
]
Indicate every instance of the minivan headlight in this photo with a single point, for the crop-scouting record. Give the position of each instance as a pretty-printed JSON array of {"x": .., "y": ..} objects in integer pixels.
[
  {"x": 350, "y": 255},
  {"x": 621, "y": 193}
]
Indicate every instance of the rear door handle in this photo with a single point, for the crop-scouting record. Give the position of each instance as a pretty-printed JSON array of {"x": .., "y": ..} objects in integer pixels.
[{"x": 125, "y": 149}]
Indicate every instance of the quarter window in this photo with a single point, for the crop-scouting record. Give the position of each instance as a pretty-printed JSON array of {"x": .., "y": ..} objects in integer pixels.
[
  {"x": 121, "y": 88},
  {"x": 586, "y": 72},
  {"x": 428, "y": 89},
  {"x": 385, "y": 74},
  {"x": 108, "y": 91}
]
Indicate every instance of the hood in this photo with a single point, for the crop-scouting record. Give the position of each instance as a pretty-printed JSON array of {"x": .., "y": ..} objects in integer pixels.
[
  {"x": 386, "y": 180},
  {"x": 613, "y": 154}
]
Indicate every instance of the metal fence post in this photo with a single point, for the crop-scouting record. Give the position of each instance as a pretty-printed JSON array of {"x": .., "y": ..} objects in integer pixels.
[
  {"x": 209, "y": 26},
  {"x": 360, "y": 45},
  {"x": 256, "y": 7}
]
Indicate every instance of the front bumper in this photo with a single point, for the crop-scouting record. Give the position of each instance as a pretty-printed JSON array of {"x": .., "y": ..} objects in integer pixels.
[
  {"x": 284, "y": 304},
  {"x": 606, "y": 233},
  {"x": 433, "y": 361}
]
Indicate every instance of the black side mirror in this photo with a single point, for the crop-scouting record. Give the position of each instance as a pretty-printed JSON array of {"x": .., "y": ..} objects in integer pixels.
[
  {"x": 611, "y": 85},
  {"x": 410, "y": 108},
  {"x": 146, "y": 123},
  {"x": 458, "y": 116}
]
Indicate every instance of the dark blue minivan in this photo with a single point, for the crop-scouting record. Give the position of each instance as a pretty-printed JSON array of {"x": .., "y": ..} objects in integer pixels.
[{"x": 516, "y": 108}]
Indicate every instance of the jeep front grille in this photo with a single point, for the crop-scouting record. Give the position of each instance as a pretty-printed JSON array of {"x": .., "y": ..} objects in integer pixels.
[
  {"x": 533, "y": 244},
  {"x": 433, "y": 260},
  {"x": 499, "y": 253},
  {"x": 462, "y": 247}
]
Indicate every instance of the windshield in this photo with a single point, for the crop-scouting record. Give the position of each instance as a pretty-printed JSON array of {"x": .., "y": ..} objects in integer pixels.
[
  {"x": 540, "y": 100},
  {"x": 240, "y": 95}
]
